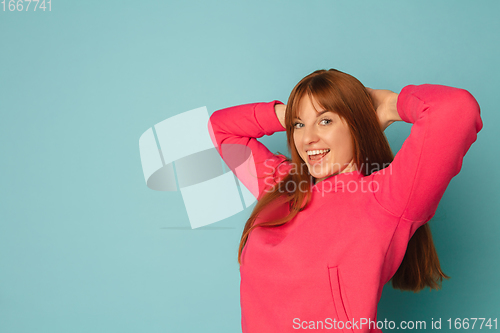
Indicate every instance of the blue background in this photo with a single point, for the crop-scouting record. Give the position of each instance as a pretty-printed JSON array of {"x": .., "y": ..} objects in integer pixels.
[{"x": 86, "y": 246}]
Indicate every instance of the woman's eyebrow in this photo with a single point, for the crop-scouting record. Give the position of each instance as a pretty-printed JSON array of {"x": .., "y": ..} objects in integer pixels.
[{"x": 319, "y": 114}]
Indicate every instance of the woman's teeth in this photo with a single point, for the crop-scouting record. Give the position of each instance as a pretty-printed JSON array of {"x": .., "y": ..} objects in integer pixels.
[
  {"x": 315, "y": 152},
  {"x": 316, "y": 155}
]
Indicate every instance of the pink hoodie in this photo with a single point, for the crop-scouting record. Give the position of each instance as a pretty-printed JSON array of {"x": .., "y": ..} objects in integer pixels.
[{"x": 325, "y": 269}]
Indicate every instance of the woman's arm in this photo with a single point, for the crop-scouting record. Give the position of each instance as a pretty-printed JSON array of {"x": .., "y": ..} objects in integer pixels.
[
  {"x": 445, "y": 121},
  {"x": 385, "y": 102},
  {"x": 234, "y": 132},
  {"x": 280, "y": 109}
]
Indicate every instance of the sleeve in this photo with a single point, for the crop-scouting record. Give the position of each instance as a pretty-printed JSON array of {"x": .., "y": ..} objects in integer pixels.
[
  {"x": 445, "y": 121},
  {"x": 234, "y": 132}
]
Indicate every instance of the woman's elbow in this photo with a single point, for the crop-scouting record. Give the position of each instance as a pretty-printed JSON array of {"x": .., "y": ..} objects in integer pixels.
[{"x": 468, "y": 110}]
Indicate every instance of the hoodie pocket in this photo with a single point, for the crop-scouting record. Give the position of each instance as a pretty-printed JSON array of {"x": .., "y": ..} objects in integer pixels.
[{"x": 339, "y": 299}]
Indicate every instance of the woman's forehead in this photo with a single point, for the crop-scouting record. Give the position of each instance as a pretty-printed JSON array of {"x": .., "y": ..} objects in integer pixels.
[{"x": 308, "y": 104}]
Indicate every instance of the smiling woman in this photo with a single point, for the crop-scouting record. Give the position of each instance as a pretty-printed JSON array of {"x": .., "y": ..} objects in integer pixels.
[
  {"x": 323, "y": 140},
  {"x": 342, "y": 217}
]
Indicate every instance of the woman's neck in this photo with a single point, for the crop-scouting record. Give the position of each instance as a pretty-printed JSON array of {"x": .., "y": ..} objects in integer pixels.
[{"x": 349, "y": 168}]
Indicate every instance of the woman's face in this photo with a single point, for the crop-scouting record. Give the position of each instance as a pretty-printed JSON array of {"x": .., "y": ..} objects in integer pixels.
[{"x": 317, "y": 131}]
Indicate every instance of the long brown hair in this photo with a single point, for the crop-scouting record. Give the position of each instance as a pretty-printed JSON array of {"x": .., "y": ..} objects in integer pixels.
[{"x": 343, "y": 93}]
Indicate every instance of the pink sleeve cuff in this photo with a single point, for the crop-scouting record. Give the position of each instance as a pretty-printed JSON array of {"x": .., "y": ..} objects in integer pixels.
[
  {"x": 403, "y": 105},
  {"x": 266, "y": 117}
]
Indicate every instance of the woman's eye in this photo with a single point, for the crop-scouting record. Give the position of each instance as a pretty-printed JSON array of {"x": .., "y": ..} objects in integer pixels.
[{"x": 323, "y": 121}]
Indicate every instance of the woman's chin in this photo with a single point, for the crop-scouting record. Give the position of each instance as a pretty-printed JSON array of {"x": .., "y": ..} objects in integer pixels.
[
  {"x": 318, "y": 177},
  {"x": 317, "y": 172}
]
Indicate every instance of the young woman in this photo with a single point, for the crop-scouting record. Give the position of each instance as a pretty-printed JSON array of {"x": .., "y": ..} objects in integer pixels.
[{"x": 342, "y": 217}]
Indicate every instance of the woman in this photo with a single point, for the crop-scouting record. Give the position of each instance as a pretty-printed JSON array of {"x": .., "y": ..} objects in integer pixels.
[{"x": 338, "y": 220}]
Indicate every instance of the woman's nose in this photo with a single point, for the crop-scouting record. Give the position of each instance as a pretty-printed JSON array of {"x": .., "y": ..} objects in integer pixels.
[{"x": 310, "y": 135}]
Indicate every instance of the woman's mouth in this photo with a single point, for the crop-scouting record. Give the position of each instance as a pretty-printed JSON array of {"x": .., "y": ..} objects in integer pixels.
[{"x": 315, "y": 156}]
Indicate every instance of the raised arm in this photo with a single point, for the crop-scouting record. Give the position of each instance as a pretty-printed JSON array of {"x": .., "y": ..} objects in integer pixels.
[
  {"x": 234, "y": 132},
  {"x": 445, "y": 121}
]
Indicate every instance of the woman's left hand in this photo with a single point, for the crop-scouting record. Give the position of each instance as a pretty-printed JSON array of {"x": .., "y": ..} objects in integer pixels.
[{"x": 385, "y": 102}]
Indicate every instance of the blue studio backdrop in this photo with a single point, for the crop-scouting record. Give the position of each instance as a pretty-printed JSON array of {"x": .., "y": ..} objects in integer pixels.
[{"x": 87, "y": 246}]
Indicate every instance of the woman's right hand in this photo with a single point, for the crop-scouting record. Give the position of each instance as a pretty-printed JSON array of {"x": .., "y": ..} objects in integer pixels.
[
  {"x": 385, "y": 102},
  {"x": 280, "y": 113}
]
